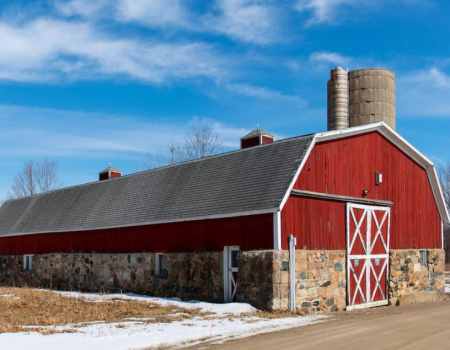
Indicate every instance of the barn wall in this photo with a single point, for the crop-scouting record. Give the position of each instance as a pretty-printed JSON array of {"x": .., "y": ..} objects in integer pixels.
[
  {"x": 347, "y": 167},
  {"x": 247, "y": 232},
  {"x": 266, "y": 140},
  {"x": 254, "y": 141}
]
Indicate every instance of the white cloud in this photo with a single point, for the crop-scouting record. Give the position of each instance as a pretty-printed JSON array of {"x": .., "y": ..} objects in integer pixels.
[
  {"x": 43, "y": 49},
  {"x": 331, "y": 57},
  {"x": 423, "y": 93},
  {"x": 153, "y": 12},
  {"x": 85, "y": 8},
  {"x": 246, "y": 20},
  {"x": 431, "y": 77},
  {"x": 253, "y": 21},
  {"x": 261, "y": 93},
  {"x": 49, "y": 132},
  {"x": 325, "y": 10}
]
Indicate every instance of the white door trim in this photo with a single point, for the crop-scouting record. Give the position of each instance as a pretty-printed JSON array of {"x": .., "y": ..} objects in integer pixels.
[
  {"x": 367, "y": 259},
  {"x": 229, "y": 284}
]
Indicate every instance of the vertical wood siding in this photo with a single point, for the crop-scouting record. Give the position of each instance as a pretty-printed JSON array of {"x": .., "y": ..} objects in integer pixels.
[
  {"x": 254, "y": 141},
  {"x": 266, "y": 140},
  {"x": 247, "y": 232},
  {"x": 347, "y": 167}
]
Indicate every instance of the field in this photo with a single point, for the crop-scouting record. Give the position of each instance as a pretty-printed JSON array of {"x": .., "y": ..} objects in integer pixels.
[{"x": 71, "y": 320}]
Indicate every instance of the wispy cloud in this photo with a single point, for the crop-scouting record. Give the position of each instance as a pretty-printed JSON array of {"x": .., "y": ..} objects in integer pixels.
[
  {"x": 262, "y": 93},
  {"x": 324, "y": 10},
  {"x": 423, "y": 93},
  {"x": 247, "y": 20},
  {"x": 331, "y": 57},
  {"x": 431, "y": 77},
  {"x": 335, "y": 11},
  {"x": 253, "y": 21},
  {"x": 59, "y": 133},
  {"x": 44, "y": 49}
]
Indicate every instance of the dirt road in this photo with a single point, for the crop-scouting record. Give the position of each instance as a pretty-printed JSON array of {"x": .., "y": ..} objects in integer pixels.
[{"x": 424, "y": 326}]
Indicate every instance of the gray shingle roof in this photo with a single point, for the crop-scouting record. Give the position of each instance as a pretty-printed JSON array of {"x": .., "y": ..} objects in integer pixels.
[
  {"x": 108, "y": 169},
  {"x": 255, "y": 133},
  {"x": 251, "y": 179}
]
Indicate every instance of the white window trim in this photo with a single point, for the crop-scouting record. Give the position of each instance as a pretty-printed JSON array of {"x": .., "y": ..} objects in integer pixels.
[
  {"x": 25, "y": 267},
  {"x": 426, "y": 257}
]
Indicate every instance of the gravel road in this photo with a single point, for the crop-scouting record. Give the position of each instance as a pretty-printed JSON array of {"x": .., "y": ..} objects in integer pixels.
[{"x": 422, "y": 326}]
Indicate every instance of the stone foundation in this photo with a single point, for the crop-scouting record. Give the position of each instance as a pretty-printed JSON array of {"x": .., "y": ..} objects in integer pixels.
[
  {"x": 185, "y": 275},
  {"x": 410, "y": 283},
  {"x": 263, "y": 278},
  {"x": 321, "y": 281}
]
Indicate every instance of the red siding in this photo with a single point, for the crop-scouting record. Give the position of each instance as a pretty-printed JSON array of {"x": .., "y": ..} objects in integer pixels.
[
  {"x": 103, "y": 176},
  {"x": 254, "y": 141},
  {"x": 248, "y": 232},
  {"x": 114, "y": 174},
  {"x": 347, "y": 167},
  {"x": 266, "y": 140}
]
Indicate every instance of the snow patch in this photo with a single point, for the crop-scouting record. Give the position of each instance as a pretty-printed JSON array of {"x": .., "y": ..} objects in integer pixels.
[{"x": 137, "y": 335}]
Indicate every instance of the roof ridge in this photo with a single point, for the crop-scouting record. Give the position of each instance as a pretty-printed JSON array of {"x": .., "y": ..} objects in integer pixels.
[{"x": 165, "y": 167}]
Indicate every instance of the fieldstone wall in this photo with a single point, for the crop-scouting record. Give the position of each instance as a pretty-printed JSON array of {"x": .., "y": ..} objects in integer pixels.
[
  {"x": 185, "y": 275},
  {"x": 410, "y": 283},
  {"x": 263, "y": 279},
  {"x": 321, "y": 281}
]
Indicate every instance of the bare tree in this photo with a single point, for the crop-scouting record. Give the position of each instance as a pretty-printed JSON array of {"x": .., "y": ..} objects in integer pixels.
[
  {"x": 443, "y": 171},
  {"x": 35, "y": 178},
  {"x": 145, "y": 164},
  {"x": 200, "y": 141}
]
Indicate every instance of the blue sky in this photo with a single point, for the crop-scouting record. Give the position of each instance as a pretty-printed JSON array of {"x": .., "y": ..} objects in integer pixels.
[{"x": 93, "y": 82}]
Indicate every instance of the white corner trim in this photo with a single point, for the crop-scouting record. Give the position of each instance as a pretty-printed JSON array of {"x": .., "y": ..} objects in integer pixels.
[
  {"x": 297, "y": 173},
  {"x": 438, "y": 194},
  {"x": 277, "y": 230}
]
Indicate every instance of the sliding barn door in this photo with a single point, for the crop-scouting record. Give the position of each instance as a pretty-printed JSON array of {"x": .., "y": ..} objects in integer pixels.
[{"x": 367, "y": 255}]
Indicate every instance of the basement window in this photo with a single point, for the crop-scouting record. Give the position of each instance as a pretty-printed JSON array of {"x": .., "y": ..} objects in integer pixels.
[
  {"x": 423, "y": 257},
  {"x": 158, "y": 264},
  {"x": 27, "y": 262}
]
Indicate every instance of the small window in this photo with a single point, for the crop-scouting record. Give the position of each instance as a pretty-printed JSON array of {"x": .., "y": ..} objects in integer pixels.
[
  {"x": 158, "y": 262},
  {"x": 28, "y": 262},
  {"x": 423, "y": 257},
  {"x": 234, "y": 254}
]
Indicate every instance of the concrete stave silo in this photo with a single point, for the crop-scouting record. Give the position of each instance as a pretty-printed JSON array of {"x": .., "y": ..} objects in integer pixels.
[
  {"x": 367, "y": 96},
  {"x": 337, "y": 95},
  {"x": 371, "y": 96}
]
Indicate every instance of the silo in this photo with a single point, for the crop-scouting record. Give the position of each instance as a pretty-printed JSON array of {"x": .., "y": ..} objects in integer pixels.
[
  {"x": 337, "y": 99},
  {"x": 371, "y": 97}
]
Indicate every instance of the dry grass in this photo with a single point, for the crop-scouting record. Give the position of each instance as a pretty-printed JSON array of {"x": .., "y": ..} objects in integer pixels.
[
  {"x": 23, "y": 308},
  {"x": 31, "y": 310}
]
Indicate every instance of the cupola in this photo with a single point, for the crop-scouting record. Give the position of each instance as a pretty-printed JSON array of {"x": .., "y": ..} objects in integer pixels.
[{"x": 255, "y": 138}]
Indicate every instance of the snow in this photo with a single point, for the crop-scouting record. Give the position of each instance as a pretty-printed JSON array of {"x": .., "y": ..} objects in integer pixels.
[
  {"x": 218, "y": 309},
  {"x": 135, "y": 334},
  {"x": 447, "y": 288}
]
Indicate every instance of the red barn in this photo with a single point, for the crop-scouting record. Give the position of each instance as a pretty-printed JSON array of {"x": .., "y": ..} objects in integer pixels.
[{"x": 322, "y": 222}]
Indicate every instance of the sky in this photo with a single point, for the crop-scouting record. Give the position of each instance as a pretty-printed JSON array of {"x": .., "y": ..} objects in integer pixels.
[{"x": 94, "y": 82}]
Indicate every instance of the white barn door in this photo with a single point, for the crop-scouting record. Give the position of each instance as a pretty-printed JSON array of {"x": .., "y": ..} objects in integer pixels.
[
  {"x": 367, "y": 255},
  {"x": 230, "y": 270}
]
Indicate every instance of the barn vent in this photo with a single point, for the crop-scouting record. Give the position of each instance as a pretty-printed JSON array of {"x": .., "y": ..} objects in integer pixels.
[
  {"x": 255, "y": 138},
  {"x": 109, "y": 173}
]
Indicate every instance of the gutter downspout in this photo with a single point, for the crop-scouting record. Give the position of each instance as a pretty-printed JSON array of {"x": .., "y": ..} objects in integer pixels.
[{"x": 292, "y": 244}]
